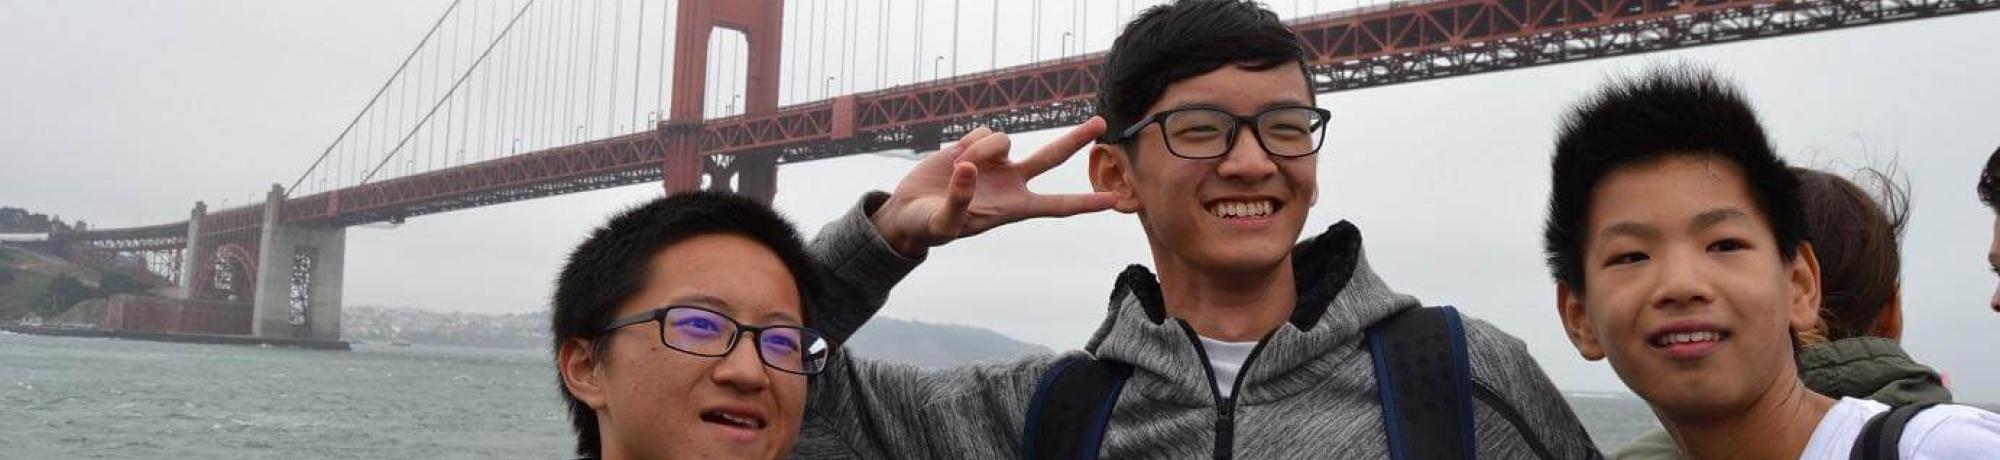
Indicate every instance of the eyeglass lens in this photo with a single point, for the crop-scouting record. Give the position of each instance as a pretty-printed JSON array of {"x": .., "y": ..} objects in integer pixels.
[
  {"x": 706, "y": 333},
  {"x": 1208, "y": 133}
]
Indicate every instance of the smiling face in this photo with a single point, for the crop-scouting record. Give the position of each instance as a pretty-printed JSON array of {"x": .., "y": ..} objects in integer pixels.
[
  {"x": 657, "y": 402},
  {"x": 1239, "y": 213},
  {"x": 1685, "y": 290}
]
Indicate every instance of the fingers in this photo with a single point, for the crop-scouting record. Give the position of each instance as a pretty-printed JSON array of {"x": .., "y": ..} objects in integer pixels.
[
  {"x": 1070, "y": 204},
  {"x": 957, "y": 149},
  {"x": 949, "y": 220},
  {"x": 1060, "y": 150},
  {"x": 991, "y": 149}
]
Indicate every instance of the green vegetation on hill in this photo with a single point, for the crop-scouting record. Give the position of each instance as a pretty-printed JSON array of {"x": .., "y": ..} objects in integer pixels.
[
  {"x": 24, "y": 221},
  {"x": 48, "y": 287}
]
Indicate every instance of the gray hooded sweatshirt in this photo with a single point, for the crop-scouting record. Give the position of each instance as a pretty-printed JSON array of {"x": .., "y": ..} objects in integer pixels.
[{"x": 1307, "y": 391}]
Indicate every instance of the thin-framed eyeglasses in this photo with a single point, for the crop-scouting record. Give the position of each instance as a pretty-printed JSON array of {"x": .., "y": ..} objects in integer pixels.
[
  {"x": 1199, "y": 133},
  {"x": 702, "y": 332}
]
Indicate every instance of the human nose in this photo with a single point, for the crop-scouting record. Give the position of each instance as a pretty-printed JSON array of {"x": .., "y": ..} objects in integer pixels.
[
  {"x": 741, "y": 369},
  {"x": 1246, "y": 160},
  {"x": 1680, "y": 284}
]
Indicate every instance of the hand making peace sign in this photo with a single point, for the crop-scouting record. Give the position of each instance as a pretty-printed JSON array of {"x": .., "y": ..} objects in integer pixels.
[{"x": 973, "y": 187}]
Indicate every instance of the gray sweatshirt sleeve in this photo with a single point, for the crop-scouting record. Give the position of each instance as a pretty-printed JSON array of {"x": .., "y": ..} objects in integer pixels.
[
  {"x": 1526, "y": 398},
  {"x": 856, "y": 269},
  {"x": 860, "y": 408}
]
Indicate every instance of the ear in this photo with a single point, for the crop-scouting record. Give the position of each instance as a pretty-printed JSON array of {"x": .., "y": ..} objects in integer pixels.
[
  {"x": 1804, "y": 315},
  {"x": 1889, "y": 323},
  {"x": 1576, "y": 322},
  {"x": 579, "y": 368},
  {"x": 1111, "y": 171}
]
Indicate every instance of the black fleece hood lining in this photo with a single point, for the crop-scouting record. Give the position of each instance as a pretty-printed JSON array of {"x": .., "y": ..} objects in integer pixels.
[{"x": 1321, "y": 268}]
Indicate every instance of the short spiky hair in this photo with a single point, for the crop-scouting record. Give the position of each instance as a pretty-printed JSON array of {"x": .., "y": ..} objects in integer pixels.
[
  {"x": 1185, "y": 39},
  {"x": 612, "y": 265},
  {"x": 1665, "y": 112},
  {"x": 1989, "y": 182}
]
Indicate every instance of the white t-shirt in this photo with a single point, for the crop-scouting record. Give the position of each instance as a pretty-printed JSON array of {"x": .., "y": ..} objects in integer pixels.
[
  {"x": 1945, "y": 431},
  {"x": 1226, "y": 359}
]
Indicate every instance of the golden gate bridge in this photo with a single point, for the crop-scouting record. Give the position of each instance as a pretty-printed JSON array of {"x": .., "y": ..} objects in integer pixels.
[{"x": 510, "y": 100}]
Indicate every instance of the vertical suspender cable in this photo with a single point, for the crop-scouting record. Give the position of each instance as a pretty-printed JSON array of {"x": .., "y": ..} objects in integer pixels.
[
  {"x": 589, "y": 113},
  {"x": 453, "y": 89},
  {"x": 459, "y": 105},
  {"x": 711, "y": 75},
  {"x": 378, "y": 95},
  {"x": 993, "y": 55},
  {"x": 882, "y": 43},
  {"x": 538, "y": 81},
  {"x": 611, "y": 77},
  {"x": 577, "y": 47},
  {"x": 638, "y": 63},
  {"x": 735, "y": 75},
  {"x": 667, "y": 29},
  {"x": 847, "y": 43},
  {"x": 452, "y": 109},
  {"x": 955, "y": 4},
  {"x": 917, "y": 46}
]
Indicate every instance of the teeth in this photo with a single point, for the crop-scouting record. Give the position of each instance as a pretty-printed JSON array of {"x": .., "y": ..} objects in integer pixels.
[
  {"x": 1688, "y": 337},
  {"x": 1236, "y": 209},
  {"x": 734, "y": 419}
]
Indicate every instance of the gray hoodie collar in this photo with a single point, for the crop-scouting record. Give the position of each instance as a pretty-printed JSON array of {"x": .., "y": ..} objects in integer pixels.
[{"x": 1338, "y": 296}]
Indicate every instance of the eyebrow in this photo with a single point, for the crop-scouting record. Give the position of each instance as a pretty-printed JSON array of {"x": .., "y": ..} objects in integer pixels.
[
  {"x": 1632, "y": 229},
  {"x": 1202, "y": 104},
  {"x": 769, "y": 319},
  {"x": 1701, "y": 221},
  {"x": 1716, "y": 216},
  {"x": 782, "y": 317},
  {"x": 704, "y": 300}
]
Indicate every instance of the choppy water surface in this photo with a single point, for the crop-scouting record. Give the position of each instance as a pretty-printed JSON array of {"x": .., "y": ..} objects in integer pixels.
[
  {"x": 100, "y": 398},
  {"x": 118, "y": 399}
]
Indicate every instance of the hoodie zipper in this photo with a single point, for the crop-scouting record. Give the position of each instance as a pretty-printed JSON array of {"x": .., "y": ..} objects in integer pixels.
[{"x": 1225, "y": 408}]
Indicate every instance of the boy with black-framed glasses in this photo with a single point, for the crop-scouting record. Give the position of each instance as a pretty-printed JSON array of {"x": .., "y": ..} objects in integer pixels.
[{"x": 706, "y": 271}]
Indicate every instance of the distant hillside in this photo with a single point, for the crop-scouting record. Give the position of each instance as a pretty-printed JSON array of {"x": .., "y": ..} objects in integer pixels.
[
  {"x": 922, "y": 344},
  {"x": 935, "y": 345},
  {"x": 368, "y": 323},
  {"x": 44, "y": 287}
]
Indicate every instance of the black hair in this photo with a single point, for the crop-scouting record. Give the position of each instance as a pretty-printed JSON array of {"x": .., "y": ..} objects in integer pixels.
[
  {"x": 1185, "y": 39},
  {"x": 1666, "y": 112},
  {"x": 612, "y": 265},
  {"x": 1989, "y": 182}
]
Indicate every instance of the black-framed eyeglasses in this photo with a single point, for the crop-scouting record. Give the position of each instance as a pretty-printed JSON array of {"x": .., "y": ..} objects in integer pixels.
[
  {"x": 702, "y": 332},
  {"x": 1199, "y": 132}
]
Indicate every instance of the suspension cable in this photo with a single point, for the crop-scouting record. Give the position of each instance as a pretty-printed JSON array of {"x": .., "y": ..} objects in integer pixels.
[
  {"x": 638, "y": 61},
  {"x": 667, "y": 29},
  {"x": 611, "y": 76},
  {"x": 590, "y": 76},
  {"x": 454, "y": 89},
  {"x": 376, "y": 97}
]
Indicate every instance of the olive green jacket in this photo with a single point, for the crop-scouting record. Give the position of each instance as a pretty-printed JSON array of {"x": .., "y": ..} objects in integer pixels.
[{"x": 1862, "y": 367}]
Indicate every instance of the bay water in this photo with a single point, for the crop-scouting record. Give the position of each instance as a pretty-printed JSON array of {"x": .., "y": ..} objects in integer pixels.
[{"x": 64, "y": 397}]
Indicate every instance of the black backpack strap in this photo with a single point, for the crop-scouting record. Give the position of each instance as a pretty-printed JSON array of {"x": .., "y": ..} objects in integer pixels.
[
  {"x": 1884, "y": 432},
  {"x": 1071, "y": 407},
  {"x": 1424, "y": 378}
]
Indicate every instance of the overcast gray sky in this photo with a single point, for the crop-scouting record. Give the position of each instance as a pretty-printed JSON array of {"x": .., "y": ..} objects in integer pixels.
[{"x": 127, "y": 112}]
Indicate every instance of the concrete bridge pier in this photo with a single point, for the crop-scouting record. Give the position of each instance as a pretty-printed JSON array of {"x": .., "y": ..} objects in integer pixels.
[
  {"x": 191, "y": 255},
  {"x": 298, "y": 281}
]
